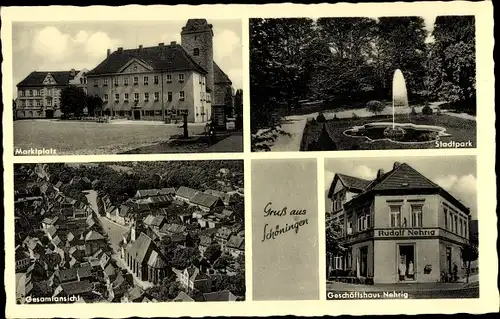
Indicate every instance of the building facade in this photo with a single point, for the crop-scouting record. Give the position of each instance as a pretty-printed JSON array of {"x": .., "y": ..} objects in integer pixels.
[
  {"x": 165, "y": 81},
  {"x": 400, "y": 227},
  {"x": 39, "y": 94}
]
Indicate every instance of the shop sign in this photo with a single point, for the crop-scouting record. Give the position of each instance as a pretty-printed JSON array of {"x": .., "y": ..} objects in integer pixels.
[{"x": 406, "y": 232}]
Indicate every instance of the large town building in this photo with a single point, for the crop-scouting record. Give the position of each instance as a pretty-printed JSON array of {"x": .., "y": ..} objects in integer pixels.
[
  {"x": 400, "y": 227},
  {"x": 165, "y": 81},
  {"x": 39, "y": 94}
]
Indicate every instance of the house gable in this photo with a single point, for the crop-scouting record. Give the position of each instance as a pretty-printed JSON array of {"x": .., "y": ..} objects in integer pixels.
[
  {"x": 49, "y": 80},
  {"x": 135, "y": 65}
]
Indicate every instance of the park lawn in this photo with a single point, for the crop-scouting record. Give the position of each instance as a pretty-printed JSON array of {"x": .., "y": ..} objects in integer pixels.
[
  {"x": 461, "y": 130},
  {"x": 80, "y": 138}
]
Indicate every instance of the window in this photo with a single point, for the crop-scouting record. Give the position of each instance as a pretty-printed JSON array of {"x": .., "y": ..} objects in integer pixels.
[
  {"x": 155, "y": 79},
  {"x": 395, "y": 216},
  {"x": 169, "y": 78},
  {"x": 125, "y": 81},
  {"x": 337, "y": 263},
  {"x": 136, "y": 80},
  {"x": 30, "y": 93},
  {"x": 40, "y": 92},
  {"x": 416, "y": 216},
  {"x": 115, "y": 81},
  {"x": 146, "y": 97},
  {"x": 349, "y": 228},
  {"x": 105, "y": 98},
  {"x": 196, "y": 51},
  {"x": 461, "y": 228},
  {"x": 49, "y": 102},
  {"x": 22, "y": 93},
  {"x": 136, "y": 97},
  {"x": 181, "y": 77},
  {"x": 81, "y": 80},
  {"x": 117, "y": 97},
  {"x": 456, "y": 224},
  {"x": 451, "y": 222},
  {"x": 30, "y": 103},
  {"x": 209, "y": 98},
  {"x": 125, "y": 97},
  {"x": 146, "y": 80},
  {"x": 96, "y": 82},
  {"x": 105, "y": 82},
  {"x": 181, "y": 95},
  {"x": 35, "y": 92},
  {"x": 39, "y": 103},
  {"x": 200, "y": 79},
  {"x": 169, "y": 96},
  {"x": 445, "y": 218},
  {"x": 157, "y": 96}
]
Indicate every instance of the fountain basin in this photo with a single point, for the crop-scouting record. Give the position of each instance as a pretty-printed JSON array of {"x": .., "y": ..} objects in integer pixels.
[{"x": 406, "y": 133}]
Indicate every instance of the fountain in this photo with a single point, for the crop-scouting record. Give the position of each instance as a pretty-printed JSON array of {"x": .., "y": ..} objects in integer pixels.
[{"x": 407, "y": 133}]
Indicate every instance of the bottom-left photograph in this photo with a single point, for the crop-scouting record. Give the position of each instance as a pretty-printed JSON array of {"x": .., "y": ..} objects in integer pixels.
[{"x": 152, "y": 231}]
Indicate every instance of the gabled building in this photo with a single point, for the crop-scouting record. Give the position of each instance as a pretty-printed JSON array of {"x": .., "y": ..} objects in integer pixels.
[
  {"x": 39, "y": 94},
  {"x": 162, "y": 81},
  {"x": 400, "y": 220}
]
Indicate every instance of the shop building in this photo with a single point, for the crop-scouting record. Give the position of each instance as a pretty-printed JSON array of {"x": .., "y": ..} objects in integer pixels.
[{"x": 400, "y": 227}]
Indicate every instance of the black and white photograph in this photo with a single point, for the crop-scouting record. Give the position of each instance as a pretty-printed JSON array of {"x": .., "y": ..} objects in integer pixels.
[
  {"x": 363, "y": 83},
  {"x": 129, "y": 232},
  {"x": 402, "y": 228},
  {"x": 127, "y": 87}
]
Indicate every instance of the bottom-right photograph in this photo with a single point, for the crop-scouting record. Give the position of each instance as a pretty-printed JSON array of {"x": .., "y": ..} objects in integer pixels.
[{"x": 401, "y": 228}]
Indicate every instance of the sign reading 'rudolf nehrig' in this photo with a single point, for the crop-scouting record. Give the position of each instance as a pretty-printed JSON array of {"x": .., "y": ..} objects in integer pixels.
[{"x": 405, "y": 232}]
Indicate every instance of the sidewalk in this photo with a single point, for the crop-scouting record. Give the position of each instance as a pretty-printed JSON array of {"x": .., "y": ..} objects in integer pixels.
[
  {"x": 231, "y": 144},
  {"x": 420, "y": 287}
]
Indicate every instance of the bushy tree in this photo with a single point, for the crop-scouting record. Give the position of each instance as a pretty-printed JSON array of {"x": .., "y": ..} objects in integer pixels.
[
  {"x": 376, "y": 107},
  {"x": 470, "y": 253},
  {"x": 212, "y": 253},
  {"x": 73, "y": 100},
  {"x": 94, "y": 105}
]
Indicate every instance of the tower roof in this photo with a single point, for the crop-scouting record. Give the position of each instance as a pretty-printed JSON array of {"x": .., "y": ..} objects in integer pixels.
[{"x": 197, "y": 25}]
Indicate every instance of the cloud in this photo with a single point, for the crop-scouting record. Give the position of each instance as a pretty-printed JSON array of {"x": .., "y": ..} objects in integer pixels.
[
  {"x": 236, "y": 76},
  {"x": 81, "y": 37},
  {"x": 225, "y": 43},
  {"x": 97, "y": 44},
  {"x": 169, "y": 37},
  {"x": 363, "y": 171},
  {"x": 463, "y": 187},
  {"x": 50, "y": 43},
  {"x": 328, "y": 179}
]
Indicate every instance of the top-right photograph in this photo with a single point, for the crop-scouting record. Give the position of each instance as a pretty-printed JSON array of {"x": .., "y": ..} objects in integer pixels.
[{"x": 363, "y": 83}]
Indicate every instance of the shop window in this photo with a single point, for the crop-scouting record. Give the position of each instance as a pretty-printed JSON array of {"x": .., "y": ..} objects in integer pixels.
[
  {"x": 395, "y": 216},
  {"x": 338, "y": 263}
]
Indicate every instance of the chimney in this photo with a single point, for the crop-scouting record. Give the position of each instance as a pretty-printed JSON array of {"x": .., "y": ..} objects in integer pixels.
[
  {"x": 72, "y": 72},
  {"x": 132, "y": 233},
  {"x": 140, "y": 46},
  {"x": 396, "y": 164},
  {"x": 120, "y": 50},
  {"x": 380, "y": 172},
  {"x": 173, "y": 43},
  {"x": 108, "y": 53},
  {"x": 161, "y": 44}
]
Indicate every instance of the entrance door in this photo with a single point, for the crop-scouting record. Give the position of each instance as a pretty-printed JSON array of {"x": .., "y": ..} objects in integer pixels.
[
  {"x": 406, "y": 266},
  {"x": 137, "y": 114},
  {"x": 363, "y": 261},
  {"x": 49, "y": 114}
]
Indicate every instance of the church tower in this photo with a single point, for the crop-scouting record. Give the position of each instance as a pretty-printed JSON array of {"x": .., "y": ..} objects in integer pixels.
[{"x": 197, "y": 39}]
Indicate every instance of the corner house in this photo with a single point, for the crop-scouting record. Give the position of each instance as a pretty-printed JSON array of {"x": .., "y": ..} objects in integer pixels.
[{"x": 399, "y": 221}]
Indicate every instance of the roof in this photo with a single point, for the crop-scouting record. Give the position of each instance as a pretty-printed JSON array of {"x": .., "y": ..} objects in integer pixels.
[
  {"x": 93, "y": 235},
  {"x": 223, "y": 232},
  {"x": 196, "y": 25},
  {"x": 225, "y": 295},
  {"x": 219, "y": 76},
  {"x": 110, "y": 270},
  {"x": 76, "y": 287},
  {"x": 186, "y": 192},
  {"x": 215, "y": 193},
  {"x": 236, "y": 242},
  {"x": 149, "y": 219},
  {"x": 155, "y": 192},
  {"x": 182, "y": 296},
  {"x": 204, "y": 199},
  {"x": 349, "y": 182},
  {"x": 145, "y": 250},
  {"x": 73, "y": 273},
  {"x": 168, "y": 58},
  {"x": 173, "y": 228},
  {"x": 403, "y": 177},
  {"x": 205, "y": 240},
  {"x": 36, "y": 78},
  {"x": 158, "y": 220}
]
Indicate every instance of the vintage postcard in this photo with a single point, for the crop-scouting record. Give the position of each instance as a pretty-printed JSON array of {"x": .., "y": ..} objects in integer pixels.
[{"x": 249, "y": 160}]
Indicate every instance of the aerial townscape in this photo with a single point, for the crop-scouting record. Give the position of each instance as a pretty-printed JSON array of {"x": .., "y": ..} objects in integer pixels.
[
  {"x": 130, "y": 232},
  {"x": 169, "y": 83}
]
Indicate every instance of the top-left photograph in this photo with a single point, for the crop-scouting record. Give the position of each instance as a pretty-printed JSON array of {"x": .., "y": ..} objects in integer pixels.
[{"x": 127, "y": 87}]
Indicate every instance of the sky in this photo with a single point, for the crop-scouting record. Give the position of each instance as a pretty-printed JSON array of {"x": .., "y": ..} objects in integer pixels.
[
  {"x": 54, "y": 46},
  {"x": 455, "y": 174}
]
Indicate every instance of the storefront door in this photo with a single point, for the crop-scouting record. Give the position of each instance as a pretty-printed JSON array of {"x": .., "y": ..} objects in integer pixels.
[
  {"x": 137, "y": 114},
  {"x": 406, "y": 266},
  {"x": 363, "y": 259}
]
